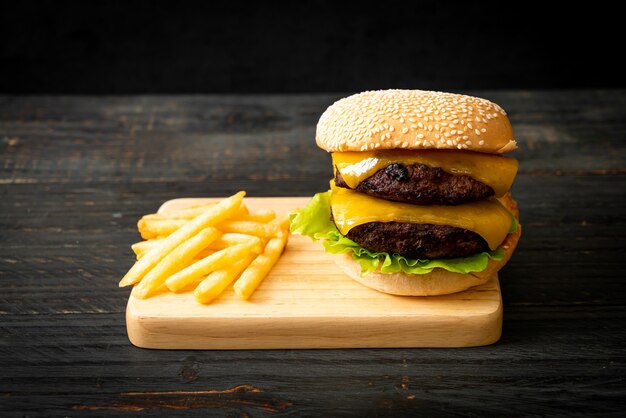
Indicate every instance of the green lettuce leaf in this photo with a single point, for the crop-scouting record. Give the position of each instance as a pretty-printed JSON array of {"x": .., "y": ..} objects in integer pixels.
[
  {"x": 514, "y": 224},
  {"x": 314, "y": 221}
]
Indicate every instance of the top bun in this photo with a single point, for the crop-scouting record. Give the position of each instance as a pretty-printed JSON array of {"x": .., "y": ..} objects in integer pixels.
[{"x": 414, "y": 120}]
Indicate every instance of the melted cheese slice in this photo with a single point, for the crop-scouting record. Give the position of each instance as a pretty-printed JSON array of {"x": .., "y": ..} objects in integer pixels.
[
  {"x": 496, "y": 171},
  {"x": 488, "y": 218}
]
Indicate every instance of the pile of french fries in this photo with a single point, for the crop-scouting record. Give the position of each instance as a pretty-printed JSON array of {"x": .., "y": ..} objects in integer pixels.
[{"x": 207, "y": 247}]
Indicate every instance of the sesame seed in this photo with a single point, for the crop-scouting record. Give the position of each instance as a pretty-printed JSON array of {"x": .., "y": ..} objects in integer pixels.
[
  {"x": 405, "y": 130},
  {"x": 420, "y": 136},
  {"x": 481, "y": 142}
]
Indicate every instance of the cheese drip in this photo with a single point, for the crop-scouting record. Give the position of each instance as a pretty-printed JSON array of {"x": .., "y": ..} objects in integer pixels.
[
  {"x": 495, "y": 171},
  {"x": 488, "y": 218}
]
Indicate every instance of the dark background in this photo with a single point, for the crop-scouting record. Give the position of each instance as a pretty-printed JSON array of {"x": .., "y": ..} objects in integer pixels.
[{"x": 126, "y": 47}]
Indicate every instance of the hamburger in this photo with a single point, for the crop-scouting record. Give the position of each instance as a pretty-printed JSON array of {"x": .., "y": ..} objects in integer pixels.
[{"x": 419, "y": 203}]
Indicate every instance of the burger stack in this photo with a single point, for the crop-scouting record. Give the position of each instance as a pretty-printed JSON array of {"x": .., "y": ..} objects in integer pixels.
[{"x": 420, "y": 177}]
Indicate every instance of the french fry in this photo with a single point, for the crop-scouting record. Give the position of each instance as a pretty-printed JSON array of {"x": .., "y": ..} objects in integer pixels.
[
  {"x": 204, "y": 254},
  {"x": 215, "y": 261},
  {"x": 217, "y": 281},
  {"x": 151, "y": 228},
  {"x": 154, "y": 216},
  {"x": 284, "y": 223},
  {"x": 186, "y": 213},
  {"x": 181, "y": 256},
  {"x": 142, "y": 247},
  {"x": 212, "y": 216},
  {"x": 226, "y": 240},
  {"x": 260, "y": 215},
  {"x": 254, "y": 274},
  {"x": 240, "y": 212},
  {"x": 161, "y": 225},
  {"x": 279, "y": 225},
  {"x": 259, "y": 229},
  {"x": 230, "y": 239}
]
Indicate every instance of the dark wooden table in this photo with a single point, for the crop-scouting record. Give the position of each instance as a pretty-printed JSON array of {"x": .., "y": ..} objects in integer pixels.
[{"x": 77, "y": 172}]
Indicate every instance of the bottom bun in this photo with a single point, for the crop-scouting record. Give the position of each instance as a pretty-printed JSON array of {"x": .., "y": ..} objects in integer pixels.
[{"x": 438, "y": 281}]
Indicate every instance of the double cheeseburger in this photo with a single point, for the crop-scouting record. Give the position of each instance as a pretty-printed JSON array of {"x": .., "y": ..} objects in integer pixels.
[{"x": 419, "y": 203}]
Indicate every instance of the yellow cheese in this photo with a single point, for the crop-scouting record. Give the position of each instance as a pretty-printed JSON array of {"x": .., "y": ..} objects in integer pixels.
[
  {"x": 488, "y": 218},
  {"x": 496, "y": 171}
]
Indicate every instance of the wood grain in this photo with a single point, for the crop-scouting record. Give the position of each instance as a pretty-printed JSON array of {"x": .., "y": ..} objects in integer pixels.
[{"x": 307, "y": 302}]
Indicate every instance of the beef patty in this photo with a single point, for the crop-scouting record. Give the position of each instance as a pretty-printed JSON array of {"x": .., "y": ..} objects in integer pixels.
[
  {"x": 420, "y": 184},
  {"x": 422, "y": 241}
]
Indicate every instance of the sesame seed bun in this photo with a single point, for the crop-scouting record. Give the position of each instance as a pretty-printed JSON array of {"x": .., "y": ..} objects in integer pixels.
[
  {"x": 437, "y": 282},
  {"x": 414, "y": 120}
]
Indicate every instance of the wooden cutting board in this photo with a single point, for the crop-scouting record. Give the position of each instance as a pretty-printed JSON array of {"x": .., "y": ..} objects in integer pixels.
[{"x": 307, "y": 302}]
